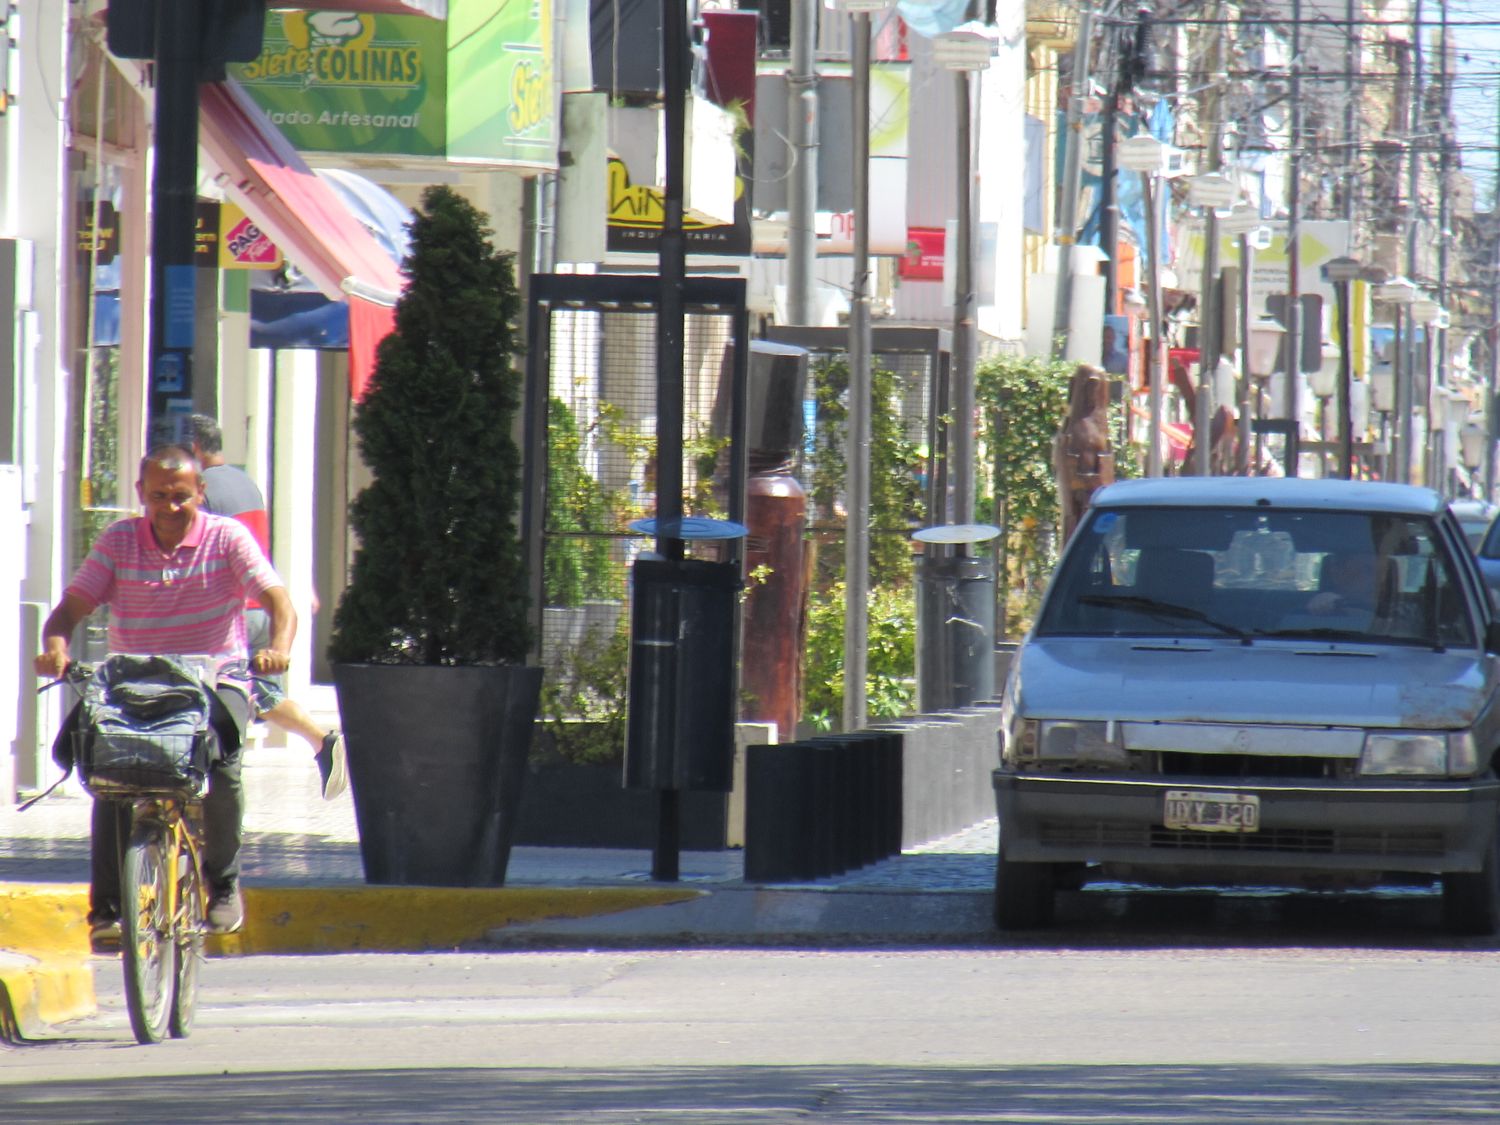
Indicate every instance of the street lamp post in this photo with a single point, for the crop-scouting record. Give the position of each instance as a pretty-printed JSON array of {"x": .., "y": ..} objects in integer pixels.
[
  {"x": 857, "y": 438},
  {"x": 1262, "y": 349},
  {"x": 1429, "y": 314},
  {"x": 1244, "y": 221},
  {"x": 1341, "y": 271},
  {"x": 1399, "y": 293},
  {"x": 964, "y": 51},
  {"x": 1214, "y": 192},
  {"x": 1150, "y": 157}
]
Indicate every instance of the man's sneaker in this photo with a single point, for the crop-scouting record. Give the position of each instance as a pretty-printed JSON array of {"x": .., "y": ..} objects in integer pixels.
[
  {"x": 104, "y": 934},
  {"x": 333, "y": 765},
  {"x": 226, "y": 910}
]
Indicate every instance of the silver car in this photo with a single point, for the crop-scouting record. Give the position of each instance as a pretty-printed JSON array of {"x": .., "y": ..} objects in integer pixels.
[{"x": 1256, "y": 681}]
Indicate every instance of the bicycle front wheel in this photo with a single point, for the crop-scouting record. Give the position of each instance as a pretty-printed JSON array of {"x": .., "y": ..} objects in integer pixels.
[
  {"x": 149, "y": 953},
  {"x": 189, "y": 938}
]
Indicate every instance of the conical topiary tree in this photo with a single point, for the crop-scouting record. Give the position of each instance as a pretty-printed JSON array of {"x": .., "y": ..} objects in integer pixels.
[{"x": 438, "y": 574}]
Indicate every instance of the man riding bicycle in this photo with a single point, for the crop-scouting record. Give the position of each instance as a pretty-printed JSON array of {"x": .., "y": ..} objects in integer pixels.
[{"x": 176, "y": 580}]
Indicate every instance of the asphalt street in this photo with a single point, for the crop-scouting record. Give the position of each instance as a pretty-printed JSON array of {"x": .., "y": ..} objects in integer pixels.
[{"x": 1199, "y": 1035}]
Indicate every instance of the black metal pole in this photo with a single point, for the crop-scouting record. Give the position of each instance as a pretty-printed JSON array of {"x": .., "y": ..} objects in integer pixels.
[
  {"x": 672, "y": 267},
  {"x": 174, "y": 186}
]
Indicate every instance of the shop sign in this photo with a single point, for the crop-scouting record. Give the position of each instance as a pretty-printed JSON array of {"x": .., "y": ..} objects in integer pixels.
[
  {"x": 225, "y": 238},
  {"x": 352, "y": 82},
  {"x": 637, "y": 212},
  {"x": 103, "y": 241},
  {"x": 503, "y": 99},
  {"x": 923, "y": 260}
]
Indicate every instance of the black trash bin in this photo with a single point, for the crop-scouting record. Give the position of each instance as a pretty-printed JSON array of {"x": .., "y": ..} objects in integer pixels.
[
  {"x": 955, "y": 619},
  {"x": 680, "y": 733}
]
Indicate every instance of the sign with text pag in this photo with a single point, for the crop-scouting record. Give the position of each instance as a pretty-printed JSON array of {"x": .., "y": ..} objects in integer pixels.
[
  {"x": 225, "y": 238},
  {"x": 503, "y": 103},
  {"x": 350, "y": 82}
]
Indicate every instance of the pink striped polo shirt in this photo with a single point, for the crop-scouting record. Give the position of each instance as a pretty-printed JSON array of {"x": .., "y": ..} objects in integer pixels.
[{"x": 190, "y": 600}]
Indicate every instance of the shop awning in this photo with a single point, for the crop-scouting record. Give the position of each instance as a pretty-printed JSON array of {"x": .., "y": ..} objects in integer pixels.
[{"x": 260, "y": 170}]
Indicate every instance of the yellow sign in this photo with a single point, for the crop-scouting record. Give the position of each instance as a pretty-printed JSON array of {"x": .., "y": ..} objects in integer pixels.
[
  {"x": 643, "y": 207},
  {"x": 242, "y": 244}
]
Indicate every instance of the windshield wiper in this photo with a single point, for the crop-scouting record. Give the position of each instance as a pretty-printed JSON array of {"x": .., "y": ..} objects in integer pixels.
[
  {"x": 1164, "y": 609},
  {"x": 1325, "y": 633}
]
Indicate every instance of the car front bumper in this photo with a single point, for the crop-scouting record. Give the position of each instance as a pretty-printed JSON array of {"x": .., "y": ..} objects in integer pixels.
[{"x": 1380, "y": 826}]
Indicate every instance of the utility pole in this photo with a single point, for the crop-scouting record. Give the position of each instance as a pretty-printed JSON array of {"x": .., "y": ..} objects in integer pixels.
[
  {"x": 1441, "y": 453},
  {"x": 857, "y": 439},
  {"x": 1293, "y": 336},
  {"x": 802, "y": 182},
  {"x": 1492, "y": 381},
  {"x": 1406, "y": 404},
  {"x": 1209, "y": 320},
  {"x": 1065, "y": 223}
]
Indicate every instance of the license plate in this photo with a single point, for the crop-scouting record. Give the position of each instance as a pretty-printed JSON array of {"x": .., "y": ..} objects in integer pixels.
[{"x": 1212, "y": 812}]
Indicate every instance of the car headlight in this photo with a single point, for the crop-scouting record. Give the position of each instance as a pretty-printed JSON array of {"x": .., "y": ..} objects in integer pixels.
[
  {"x": 1021, "y": 741},
  {"x": 1414, "y": 754},
  {"x": 1065, "y": 741}
]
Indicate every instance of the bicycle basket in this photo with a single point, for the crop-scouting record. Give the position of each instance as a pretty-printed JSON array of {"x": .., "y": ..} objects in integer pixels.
[
  {"x": 130, "y": 763},
  {"x": 144, "y": 729}
]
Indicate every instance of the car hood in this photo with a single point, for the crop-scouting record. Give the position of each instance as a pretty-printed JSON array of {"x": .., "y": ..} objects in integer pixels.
[{"x": 1281, "y": 682}]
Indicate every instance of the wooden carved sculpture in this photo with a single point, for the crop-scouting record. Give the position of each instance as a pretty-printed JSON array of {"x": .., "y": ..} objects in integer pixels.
[{"x": 1081, "y": 452}]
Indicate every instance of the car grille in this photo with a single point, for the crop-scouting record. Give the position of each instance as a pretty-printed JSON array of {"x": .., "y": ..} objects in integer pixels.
[
  {"x": 1305, "y": 841},
  {"x": 1180, "y": 763}
]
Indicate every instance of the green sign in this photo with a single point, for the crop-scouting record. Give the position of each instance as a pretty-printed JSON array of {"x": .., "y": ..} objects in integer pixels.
[
  {"x": 502, "y": 97},
  {"x": 351, "y": 82}
]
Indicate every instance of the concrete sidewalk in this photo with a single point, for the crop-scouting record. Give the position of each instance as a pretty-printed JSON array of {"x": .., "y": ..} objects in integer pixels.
[{"x": 305, "y": 892}]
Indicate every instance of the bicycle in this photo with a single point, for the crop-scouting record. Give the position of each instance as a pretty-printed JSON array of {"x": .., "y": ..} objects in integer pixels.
[{"x": 160, "y": 769}]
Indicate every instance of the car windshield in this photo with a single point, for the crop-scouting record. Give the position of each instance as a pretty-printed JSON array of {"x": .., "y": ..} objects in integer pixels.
[{"x": 1248, "y": 574}]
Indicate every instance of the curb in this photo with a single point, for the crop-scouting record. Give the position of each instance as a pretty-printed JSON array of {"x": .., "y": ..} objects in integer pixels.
[
  {"x": 45, "y": 974},
  {"x": 46, "y": 971},
  {"x": 412, "y": 919}
]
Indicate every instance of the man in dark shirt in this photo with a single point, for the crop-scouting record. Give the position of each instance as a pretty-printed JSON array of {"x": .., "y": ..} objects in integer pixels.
[{"x": 229, "y": 491}]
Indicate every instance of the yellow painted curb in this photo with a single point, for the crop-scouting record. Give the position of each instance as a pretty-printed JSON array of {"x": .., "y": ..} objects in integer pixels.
[
  {"x": 45, "y": 974},
  {"x": 412, "y": 919},
  {"x": 45, "y": 924}
]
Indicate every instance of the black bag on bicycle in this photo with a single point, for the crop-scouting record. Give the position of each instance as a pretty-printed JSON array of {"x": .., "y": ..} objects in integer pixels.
[{"x": 145, "y": 726}]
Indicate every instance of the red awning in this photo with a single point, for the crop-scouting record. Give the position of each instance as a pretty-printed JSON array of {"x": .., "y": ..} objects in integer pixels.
[{"x": 260, "y": 170}]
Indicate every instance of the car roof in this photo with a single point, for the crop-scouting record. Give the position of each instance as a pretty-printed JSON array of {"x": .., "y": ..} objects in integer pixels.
[
  {"x": 1472, "y": 509},
  {"x": 1271, "y": 492}
]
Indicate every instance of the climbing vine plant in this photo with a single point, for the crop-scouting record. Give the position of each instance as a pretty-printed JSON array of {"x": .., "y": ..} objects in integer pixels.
[{"x": 1022, "y": 401}]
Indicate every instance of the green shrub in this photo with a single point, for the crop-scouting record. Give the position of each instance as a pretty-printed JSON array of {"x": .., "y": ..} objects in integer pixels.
[
  {"x": 438, "y": 575},
  {"x": 890, "y": 661}
]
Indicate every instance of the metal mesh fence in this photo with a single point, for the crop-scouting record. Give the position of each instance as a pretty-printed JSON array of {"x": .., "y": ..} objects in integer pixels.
[{"x": 598, "y": 373}]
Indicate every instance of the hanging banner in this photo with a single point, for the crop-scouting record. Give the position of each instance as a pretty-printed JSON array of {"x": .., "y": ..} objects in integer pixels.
[{"x": 352, "y": 83}]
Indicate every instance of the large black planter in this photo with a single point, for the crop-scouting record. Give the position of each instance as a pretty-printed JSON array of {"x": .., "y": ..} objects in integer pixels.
[
  {"x": 437, "y": 758},
  {"x": 574, "y": 805}
]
